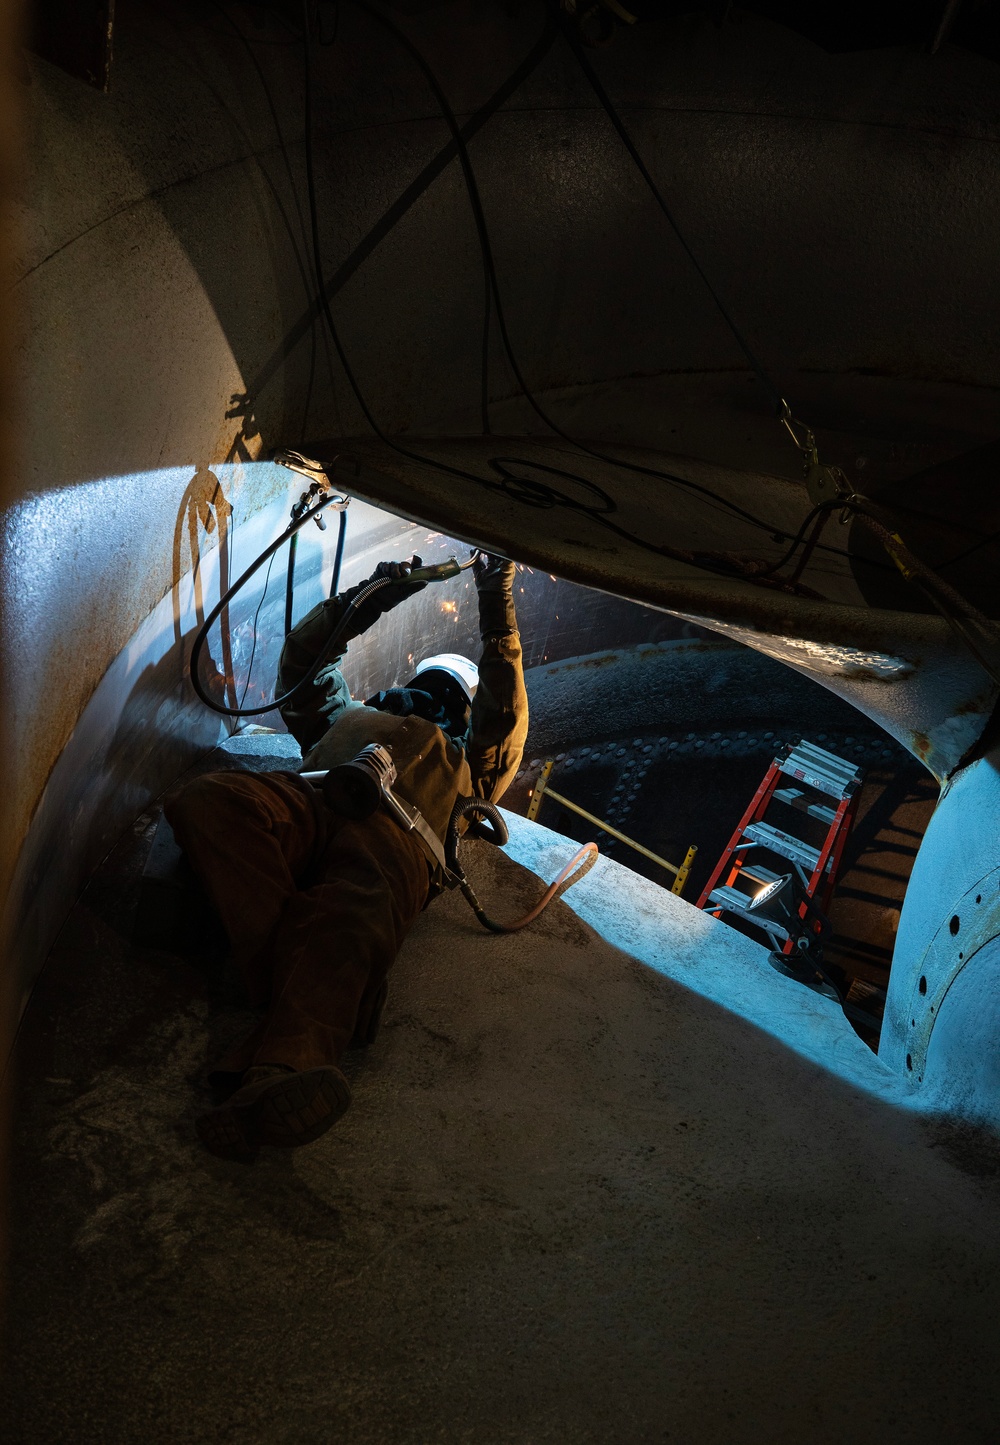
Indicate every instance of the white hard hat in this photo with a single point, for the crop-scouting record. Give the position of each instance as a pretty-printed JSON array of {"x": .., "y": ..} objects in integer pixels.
[{"x": 462, "y": 669}]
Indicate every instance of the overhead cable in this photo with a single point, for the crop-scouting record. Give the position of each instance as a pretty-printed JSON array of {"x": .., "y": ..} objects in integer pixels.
[{"x": 780, "y": 405}]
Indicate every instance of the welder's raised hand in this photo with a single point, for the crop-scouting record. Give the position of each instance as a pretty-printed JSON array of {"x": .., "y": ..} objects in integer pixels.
[
  {"x": 400, "y": 588},
  {"x": 493, "y": 573},
  {"x": 495, "y": 582},
  {"x": 398, "y": 572}
]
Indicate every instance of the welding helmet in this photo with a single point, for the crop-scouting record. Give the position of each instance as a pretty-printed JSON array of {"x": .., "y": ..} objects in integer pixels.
[{"x": 460, "y": 669}]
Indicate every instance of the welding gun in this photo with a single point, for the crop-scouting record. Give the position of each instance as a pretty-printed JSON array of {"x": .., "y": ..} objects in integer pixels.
[{"x": 440, "y": 571}]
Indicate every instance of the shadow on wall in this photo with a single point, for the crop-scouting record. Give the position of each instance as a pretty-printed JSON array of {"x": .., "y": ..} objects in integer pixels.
[
  {"x": 204, "y": 511},
  {"x": 142, "y": 726}
]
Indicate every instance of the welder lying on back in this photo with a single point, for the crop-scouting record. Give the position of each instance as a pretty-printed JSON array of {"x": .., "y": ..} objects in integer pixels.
[{"x": 316, "y": 904}]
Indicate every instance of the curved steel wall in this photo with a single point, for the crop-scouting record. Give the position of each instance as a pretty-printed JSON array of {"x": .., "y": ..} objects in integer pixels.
[{"x": 844, "y": 205}]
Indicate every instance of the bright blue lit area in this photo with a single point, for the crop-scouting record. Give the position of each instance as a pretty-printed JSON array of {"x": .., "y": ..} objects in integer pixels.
[{"x": 672, "y": 937}]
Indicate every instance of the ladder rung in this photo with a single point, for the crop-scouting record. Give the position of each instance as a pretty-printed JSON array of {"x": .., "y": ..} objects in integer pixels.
[
  {"x": 820, "y": 769},
  {"x": 759, "y": 874},
  {"x": 784, "y": 845},
  {"x": 795, "y": 798},
  {"x": 805, "y": 771},
  {"x": 731, "y": 900},
  {"x": 830, "y": 762}
]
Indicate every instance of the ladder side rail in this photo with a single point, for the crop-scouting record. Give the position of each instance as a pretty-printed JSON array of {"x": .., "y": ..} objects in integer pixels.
[
  {"x": 838, "y": 851},
  {"x": 760, "y": 800},
  {"x": 734, "y": 872},
  {"x": 836, "y": 832},
  {"x": 738, "y": 865}
]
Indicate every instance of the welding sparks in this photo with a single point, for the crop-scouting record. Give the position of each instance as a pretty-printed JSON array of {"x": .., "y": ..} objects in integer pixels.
[{"x": 449, "y": 606}]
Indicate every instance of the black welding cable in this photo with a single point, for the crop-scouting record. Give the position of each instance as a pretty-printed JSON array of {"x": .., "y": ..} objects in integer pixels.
[
  {"x": 775, "y": 397},
  {"x": 339, "y": 554},
  {"x": 719, "y": 567},
  {"x": 797, "y": 540},
  {"x": 290, "y": 576},
  {"x": 293, "y": 547},
  {"x": 763, "y": 573},
  {"x": 719, "y": 564},
  {"x": 486, "y": 250},
  {"x": 327, "y": 652}
]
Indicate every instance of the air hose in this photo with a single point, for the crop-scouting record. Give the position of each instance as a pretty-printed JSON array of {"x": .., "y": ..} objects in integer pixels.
[{"x": 496, "y": 832}]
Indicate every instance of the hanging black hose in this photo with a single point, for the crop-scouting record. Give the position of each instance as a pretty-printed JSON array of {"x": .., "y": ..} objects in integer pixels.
[
  {"x": 327, "y": 652},
  {"x": 290, "y": 576},
  {"x": 496, "y": 832},
  {"x": 338, "y": 558},
  {"x": 290, "y": 581}
]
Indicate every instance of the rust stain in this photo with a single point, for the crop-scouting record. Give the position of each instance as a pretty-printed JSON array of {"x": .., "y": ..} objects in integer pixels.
[
  {"x": 974, "y": 705},
  {"x": 921, "y": 745}
]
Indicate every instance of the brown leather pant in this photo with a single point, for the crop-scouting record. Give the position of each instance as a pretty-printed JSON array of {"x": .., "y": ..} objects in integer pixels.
[{"x": 316, "y": 907}]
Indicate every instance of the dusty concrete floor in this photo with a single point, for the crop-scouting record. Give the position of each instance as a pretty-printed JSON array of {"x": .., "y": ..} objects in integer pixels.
[{"x": 572, "y": 1201}]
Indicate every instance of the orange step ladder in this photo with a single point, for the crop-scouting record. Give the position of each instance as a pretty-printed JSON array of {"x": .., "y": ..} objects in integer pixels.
[{"x": 824, "y": 774}]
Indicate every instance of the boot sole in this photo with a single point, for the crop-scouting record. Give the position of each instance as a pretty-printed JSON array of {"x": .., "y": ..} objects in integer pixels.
[{"x": 286, "y": 1111}]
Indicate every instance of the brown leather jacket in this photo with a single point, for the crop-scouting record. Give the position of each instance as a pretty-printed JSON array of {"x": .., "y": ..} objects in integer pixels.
[{"x": 432, "y": 770}]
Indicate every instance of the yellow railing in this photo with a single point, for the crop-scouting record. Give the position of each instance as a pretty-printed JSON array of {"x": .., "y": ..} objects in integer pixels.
[{"x": 542, "y": 790}]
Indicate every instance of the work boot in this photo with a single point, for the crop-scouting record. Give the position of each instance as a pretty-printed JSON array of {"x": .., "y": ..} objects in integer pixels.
[{"x": 275, "y": 1105}]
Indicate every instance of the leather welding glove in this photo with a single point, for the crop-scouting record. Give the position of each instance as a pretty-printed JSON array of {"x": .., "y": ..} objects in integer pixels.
[
  {"x": 495, "y": 584},
  {"x": 385, "y": 599}
]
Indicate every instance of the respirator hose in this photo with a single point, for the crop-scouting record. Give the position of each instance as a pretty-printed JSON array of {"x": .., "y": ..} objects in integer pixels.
[
  {"x": 497, "y": 833},
  {"x": 325, "y": 654}
]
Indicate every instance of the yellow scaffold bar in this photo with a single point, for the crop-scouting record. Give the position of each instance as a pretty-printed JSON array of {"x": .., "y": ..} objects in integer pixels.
[{"x": 542, "y": 790}]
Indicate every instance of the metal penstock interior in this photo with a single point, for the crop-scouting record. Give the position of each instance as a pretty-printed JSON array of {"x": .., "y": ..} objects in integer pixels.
[{"x": 617, "y": 1179}]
